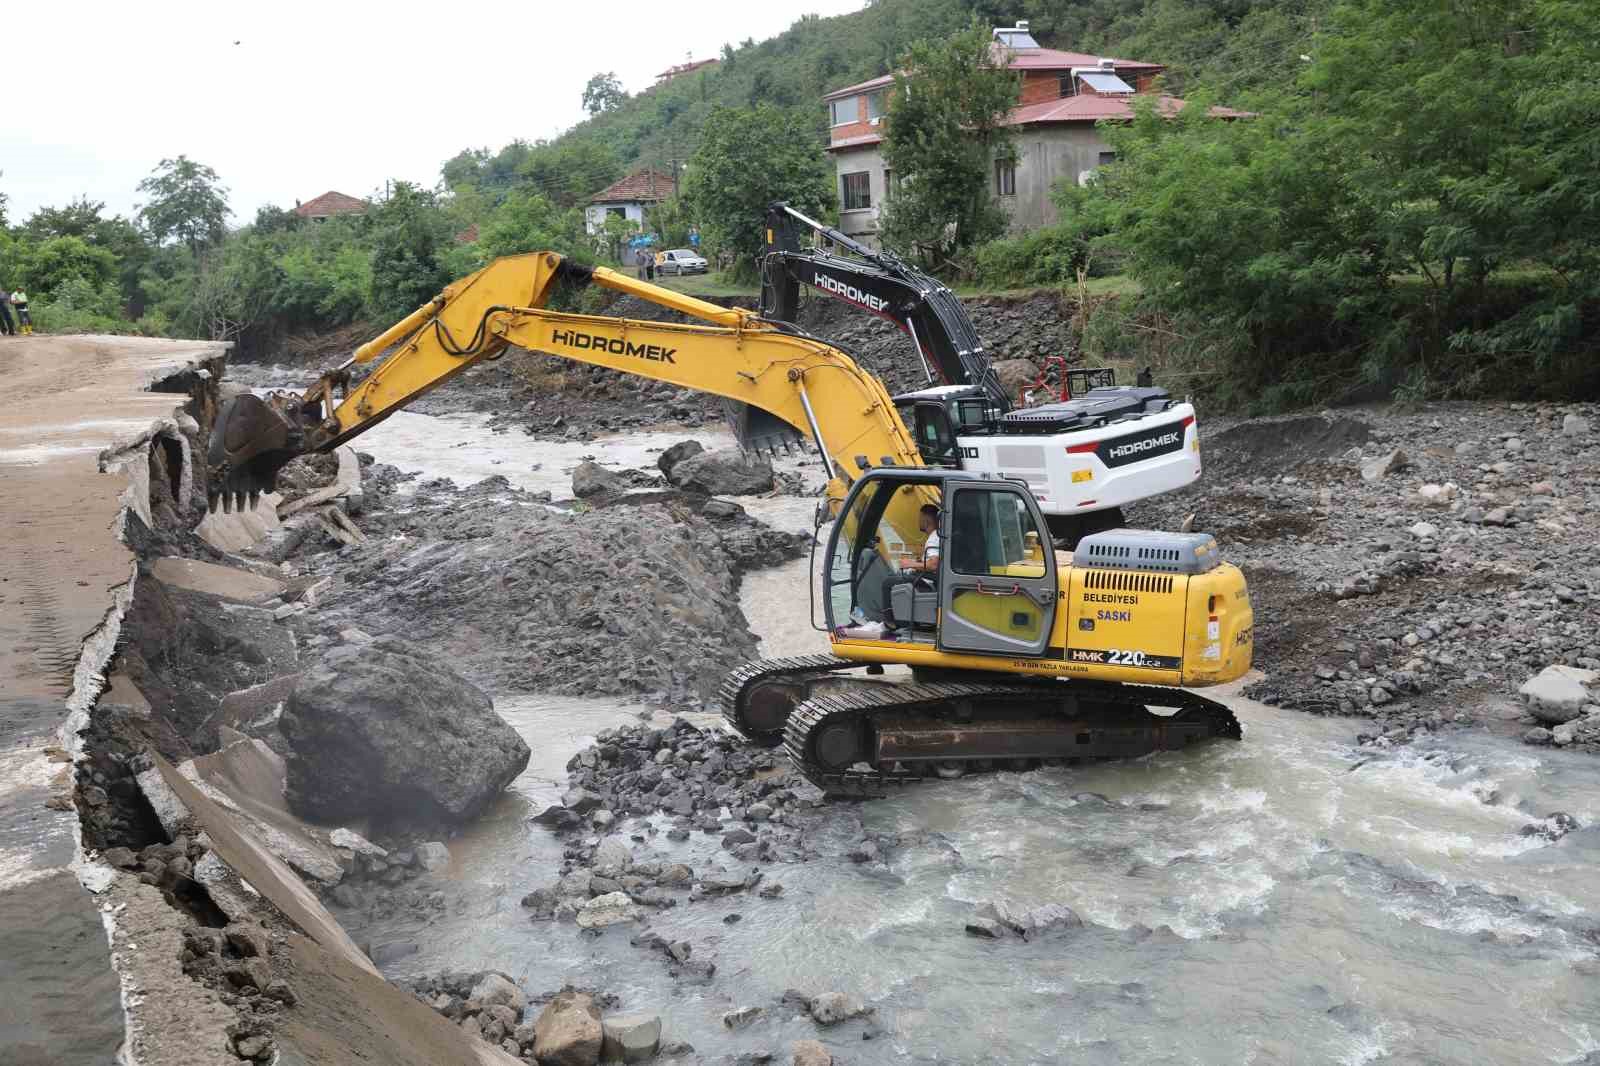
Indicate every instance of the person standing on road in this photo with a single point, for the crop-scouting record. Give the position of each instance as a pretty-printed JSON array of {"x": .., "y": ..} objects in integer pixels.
[
  {"x": 6, "y": 328},
  {"x": 19, "y": 301},
  {"x": 650, "y": 265}
]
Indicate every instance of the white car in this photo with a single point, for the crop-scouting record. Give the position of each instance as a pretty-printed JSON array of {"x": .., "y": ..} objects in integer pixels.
[{"x": 680, "y": 261}]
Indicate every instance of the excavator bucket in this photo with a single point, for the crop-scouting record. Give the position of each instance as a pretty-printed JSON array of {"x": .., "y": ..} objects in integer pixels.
[{"x": 251, "y": 441}]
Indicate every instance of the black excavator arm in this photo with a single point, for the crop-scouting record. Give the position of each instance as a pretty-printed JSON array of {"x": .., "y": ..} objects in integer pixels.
[{"x": 880, "y": 283}]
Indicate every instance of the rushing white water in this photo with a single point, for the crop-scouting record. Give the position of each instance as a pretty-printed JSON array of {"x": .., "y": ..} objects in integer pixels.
[{"x": 1291, "y": 898}]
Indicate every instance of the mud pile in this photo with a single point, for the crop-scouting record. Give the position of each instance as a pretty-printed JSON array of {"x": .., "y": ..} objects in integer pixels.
[
  {"x": 637, "y": 595},
  {"x": 1412, "y": 567}
]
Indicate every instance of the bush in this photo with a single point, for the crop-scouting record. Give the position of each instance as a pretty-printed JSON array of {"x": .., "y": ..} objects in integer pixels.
[
  {"x": 78, "y": 306},
  {"x": 1049, "y": 256}
]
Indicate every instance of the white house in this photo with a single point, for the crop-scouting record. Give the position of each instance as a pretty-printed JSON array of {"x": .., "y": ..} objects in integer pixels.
[
  {"x": 1064, "y": 95},
  {"x": 628, "y": 198}
]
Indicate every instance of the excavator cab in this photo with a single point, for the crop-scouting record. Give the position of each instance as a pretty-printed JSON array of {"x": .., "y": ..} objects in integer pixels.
[
  {"x": 995, "y": 591},
  {"x": 936, "y": 438}
]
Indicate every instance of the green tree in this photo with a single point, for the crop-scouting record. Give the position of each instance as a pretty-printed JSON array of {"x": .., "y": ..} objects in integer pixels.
[
  {"x": 944, "y": 133},
  {"x": 569, "y": 171},
  {"x": 409, "y": 235},
  {"x": 49, "y": 264},
  {"x": 187, "y": 203},
  {"x": 614, "y": 233},
  {"x": 529, "y": 222},
  {"x": 748, "y": 158},
  {"x": 80, "y": 218},
  {"x": 602, "y": 93},
  {"x": 671, "y": 221}
]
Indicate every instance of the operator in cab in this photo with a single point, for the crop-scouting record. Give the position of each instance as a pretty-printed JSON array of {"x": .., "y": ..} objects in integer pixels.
[{"x": 913, "y": 569}]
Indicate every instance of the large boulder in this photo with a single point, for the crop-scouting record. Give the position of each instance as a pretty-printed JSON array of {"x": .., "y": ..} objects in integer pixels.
[
  {"x": 677, "y": 454},
  {"x": 631, "y": 1037},
  {"x": 1557, "y": 694},
  {"x": 498, "y": 990},
  {"x": 568, "y": 1032},
  {"x": 831, "y": 1008},
  {"x": 1384, "y": 465},
  {"x": 592, "y": 479},
  {"x": 722, "y": 473},
  {"x": 609, "y": 909},
  {"x": 810, "y": 1053},
  {"x": 1016, "y": 375},
  {"x": 390, "y": 732}
]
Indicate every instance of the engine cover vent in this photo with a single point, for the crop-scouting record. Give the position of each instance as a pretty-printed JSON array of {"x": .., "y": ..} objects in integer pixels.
[{"x": 1149, "y": 549}]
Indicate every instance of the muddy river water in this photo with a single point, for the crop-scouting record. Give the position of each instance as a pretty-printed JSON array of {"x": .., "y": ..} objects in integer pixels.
[{"x": 1291, "y": 898}]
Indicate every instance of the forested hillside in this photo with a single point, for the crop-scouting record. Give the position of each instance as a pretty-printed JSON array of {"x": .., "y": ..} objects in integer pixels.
[
  {"x": 1234, "y": 47},
  {"x": 1409, "y": 208}
]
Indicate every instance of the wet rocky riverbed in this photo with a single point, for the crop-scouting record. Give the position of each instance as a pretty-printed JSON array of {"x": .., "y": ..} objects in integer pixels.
[{"x": 1299, "y": 896}]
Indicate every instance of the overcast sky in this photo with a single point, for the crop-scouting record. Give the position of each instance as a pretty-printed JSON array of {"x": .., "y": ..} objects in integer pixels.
[{"x": 319, "y": 96}]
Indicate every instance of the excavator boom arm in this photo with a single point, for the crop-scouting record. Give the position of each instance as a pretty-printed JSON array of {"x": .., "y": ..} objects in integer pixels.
[
  {"x": 881, "y": 284},
  {"x": 804, "y": 382}
]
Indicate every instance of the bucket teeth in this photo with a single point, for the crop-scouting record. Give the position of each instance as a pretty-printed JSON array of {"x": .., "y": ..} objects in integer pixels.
[{"x": 255, "y": 497}]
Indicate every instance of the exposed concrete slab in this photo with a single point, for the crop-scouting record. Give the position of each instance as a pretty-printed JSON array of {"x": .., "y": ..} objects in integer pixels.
[
  {"x": 346, "y": 1015},
  {"x": 173, "y": 1020},
  {"x": 250, "y": 776},
  {"x": 213, "y": 579},
  {"x": 250, "y": 858},
  {"x": 241, "y": 529},
  {"x": 344, "y": 1012}
]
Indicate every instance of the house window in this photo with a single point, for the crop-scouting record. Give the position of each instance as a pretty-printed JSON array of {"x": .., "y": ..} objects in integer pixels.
[
  {"x": 1066, "y": 85},
  {"x": 1005, "y": 177},
  {"x": 843, "y": 112},
  {"x": 1107, "y": 158},
  {"x": 875, "y": 106},
  {"x": 617, "y": 212},
  {"x": 857, "y": 191}
]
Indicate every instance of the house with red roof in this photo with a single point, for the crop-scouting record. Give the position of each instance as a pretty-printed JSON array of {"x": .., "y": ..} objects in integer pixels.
[
  {"x": 687, "y": 67},
  {"x": 1064, "y": 94},
  {"x": 628, "y": 198},
  {"x": 329, "y": 205}
]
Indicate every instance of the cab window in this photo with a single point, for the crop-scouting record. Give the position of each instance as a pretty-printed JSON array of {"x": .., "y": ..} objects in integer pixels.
[{"x": 992, "y": 533}]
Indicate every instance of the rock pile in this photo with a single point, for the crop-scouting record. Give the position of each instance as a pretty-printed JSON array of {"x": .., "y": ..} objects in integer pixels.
[
  {"x": 632, "y": 598},
  {"x": 569, "y": 1029},
  {"x": 1415, "y": 568}
]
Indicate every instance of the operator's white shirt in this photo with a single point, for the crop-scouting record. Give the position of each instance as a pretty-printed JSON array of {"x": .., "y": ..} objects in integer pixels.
[{"x": 930, "y": 550}]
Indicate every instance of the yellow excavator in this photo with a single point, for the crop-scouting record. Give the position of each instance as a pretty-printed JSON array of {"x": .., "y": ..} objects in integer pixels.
[{"x": 1018, "y": 654}]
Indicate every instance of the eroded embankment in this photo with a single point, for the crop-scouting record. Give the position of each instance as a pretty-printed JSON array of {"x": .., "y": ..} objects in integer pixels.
[
  {"x": 217, "y": 950},
  {"x": 185, "y": 814}
]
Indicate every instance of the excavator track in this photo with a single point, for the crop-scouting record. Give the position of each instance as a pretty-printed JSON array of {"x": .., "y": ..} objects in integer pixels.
[
  {"x": 757, "y": 697},
  {"x": 909, "y": 733}
]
